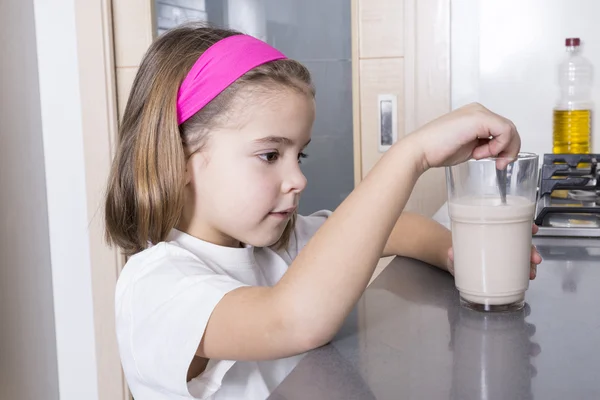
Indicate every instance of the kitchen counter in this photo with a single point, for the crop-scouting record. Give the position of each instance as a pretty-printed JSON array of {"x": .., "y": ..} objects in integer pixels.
[{"x": 408, "y": 338}]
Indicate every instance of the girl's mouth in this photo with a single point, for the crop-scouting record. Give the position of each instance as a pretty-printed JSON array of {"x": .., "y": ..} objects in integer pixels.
[{"x": 283, "y": 213}]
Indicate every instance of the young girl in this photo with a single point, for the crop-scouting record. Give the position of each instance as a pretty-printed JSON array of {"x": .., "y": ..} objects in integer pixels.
[{"x": 226, "y": 285}]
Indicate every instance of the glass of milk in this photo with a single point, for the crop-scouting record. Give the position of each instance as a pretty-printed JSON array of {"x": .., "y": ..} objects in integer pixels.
[{"x": 492, "y": 239}]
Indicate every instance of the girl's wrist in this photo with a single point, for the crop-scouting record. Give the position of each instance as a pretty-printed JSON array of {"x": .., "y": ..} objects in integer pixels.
[{"x": 410, "y": 150}]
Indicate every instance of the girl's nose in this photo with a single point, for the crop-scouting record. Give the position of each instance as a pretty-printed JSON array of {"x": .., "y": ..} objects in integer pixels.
[{"x": 294, "y": 180}]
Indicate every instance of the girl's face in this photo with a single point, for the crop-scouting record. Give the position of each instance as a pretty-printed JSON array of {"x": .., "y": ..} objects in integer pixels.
[{"x": 246, "y": 182}]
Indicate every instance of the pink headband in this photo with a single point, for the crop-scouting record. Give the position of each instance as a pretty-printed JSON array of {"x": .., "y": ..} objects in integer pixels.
[{"x": 217, "y": 68}]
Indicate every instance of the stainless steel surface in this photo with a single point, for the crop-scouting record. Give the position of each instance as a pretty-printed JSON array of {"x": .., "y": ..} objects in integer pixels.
[
  {"x": 408, "y": 338},
  {"x": 568, "y": 232},
  {"x": 574, "y": 210}
]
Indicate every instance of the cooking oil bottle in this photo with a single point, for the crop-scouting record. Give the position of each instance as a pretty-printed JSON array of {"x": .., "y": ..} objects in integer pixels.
[{"x": 572, "y": 128}]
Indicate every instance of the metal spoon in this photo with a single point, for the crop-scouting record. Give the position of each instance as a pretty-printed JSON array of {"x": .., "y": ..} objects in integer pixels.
[{"x": 501, "y": 180}]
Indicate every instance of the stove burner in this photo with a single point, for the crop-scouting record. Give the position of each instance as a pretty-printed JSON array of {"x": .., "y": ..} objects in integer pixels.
[{"x": 569, "y": 195}]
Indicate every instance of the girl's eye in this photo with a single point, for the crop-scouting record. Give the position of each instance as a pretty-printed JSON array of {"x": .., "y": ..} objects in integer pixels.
[
  {"x": 270, "y": 157},
  {"x": 301, "y": 156}
]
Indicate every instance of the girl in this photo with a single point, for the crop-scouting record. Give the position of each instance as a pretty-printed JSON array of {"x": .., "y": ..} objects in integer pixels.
[{"x": 226, "y": 285}]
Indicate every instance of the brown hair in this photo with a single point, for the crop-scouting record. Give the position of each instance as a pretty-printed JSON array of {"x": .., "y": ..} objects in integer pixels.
[{"x": 144, "y": 197}]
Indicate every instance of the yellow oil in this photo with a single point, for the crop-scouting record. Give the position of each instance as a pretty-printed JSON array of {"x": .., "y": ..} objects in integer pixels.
[{"x": 572, "y": 132}]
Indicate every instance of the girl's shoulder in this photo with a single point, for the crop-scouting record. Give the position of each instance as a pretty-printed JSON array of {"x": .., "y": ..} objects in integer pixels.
[
  {"x": 162, "y": 253},
  {"x": 161, "y": 262}
]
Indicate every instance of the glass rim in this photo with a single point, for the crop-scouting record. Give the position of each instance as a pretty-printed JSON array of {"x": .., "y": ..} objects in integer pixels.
[{"x": 521, "y": 156}]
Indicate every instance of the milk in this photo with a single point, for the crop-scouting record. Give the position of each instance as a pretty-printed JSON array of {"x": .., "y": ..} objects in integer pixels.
[{"x": 492, "y": 248}]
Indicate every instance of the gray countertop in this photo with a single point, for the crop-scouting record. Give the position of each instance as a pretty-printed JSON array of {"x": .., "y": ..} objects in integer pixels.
[{"x": 408, "y": 338}]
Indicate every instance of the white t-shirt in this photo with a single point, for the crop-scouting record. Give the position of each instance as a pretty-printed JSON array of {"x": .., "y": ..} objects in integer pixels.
[{"x": 164, "y": 298}]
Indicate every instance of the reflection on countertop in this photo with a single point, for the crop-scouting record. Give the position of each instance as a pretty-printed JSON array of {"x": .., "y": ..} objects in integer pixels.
[{"x": 408, "y": 337}]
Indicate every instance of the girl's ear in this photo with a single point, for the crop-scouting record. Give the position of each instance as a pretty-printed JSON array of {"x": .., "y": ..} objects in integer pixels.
[
  {"x": 193, "y": 166},
  {"x": 188, "y": 171}
]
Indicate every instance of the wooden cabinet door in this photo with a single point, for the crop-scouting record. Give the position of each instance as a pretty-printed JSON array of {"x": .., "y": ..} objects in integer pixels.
[{"x": 401, "y": 49}]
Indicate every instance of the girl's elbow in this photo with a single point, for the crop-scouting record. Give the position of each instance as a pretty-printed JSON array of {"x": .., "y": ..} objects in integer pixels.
[{"x": 308, "y": 334}]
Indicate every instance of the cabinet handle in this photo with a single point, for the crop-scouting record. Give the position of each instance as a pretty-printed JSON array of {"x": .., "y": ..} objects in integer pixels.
[{"x": 388, "y": 121}]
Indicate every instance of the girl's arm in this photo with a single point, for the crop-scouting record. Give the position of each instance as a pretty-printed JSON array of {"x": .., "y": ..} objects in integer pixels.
[
  {"x": 310, "y": 302},
  {"x": 307, "y": 306},
  {"x": 421, "y": 238}
]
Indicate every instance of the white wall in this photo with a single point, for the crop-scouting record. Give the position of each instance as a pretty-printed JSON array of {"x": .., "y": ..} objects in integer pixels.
[
  {"x": 27, "y": 337},
  {"x": 505, "y": 54},
  {"x": 46, "y": 332},
  {"x": 62, "y": 135}
]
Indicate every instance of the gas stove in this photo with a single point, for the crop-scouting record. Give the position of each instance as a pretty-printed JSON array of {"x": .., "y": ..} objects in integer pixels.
[{"x": 569, "y": 196}]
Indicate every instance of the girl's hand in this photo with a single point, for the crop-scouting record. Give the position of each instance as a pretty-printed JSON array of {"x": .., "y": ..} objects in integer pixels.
[
  {"x": 536, "y": 258},
  {"x": 469, "y": 132}
]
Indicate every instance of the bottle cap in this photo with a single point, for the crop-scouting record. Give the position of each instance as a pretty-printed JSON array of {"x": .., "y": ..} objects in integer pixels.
[{"x": 572, "y": 42}]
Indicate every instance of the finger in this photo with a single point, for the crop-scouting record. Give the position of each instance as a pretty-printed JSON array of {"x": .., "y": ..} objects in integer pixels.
[
  {"x": 535, "y": 349},
  {"x": 494, "y": 138},
  {"x": 451, "y": 254},
  {"x": 506, "y": 146},
  {"x": 532, "y": 370},
  {"x": 536, "y": 258},
  {"x": 505, "y": 141},
  {"x": 482, "y": 150},
  {"x": 530, "y": 329},
  {"x": 534, "y": 229},
  {"x": 532, "y": 271}
]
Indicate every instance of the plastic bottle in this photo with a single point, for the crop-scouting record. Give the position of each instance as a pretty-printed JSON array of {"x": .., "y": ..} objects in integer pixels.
[{"x": 572, "y": 127}]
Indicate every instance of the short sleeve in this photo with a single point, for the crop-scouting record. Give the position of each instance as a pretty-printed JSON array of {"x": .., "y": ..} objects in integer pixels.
[
  {"x": 170, "y": 307},
  {"x": 306, "y": 227}
]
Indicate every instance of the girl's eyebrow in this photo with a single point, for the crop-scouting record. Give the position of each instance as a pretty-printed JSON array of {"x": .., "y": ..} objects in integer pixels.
[{"x": 277, "y": 140}]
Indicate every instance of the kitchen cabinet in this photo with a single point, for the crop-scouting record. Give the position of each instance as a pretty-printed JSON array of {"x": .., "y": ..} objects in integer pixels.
[{"x": 401, "y": 49}]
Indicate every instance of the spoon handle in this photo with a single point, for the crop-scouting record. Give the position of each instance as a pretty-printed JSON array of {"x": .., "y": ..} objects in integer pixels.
[{"x": 501, "y": 180}]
